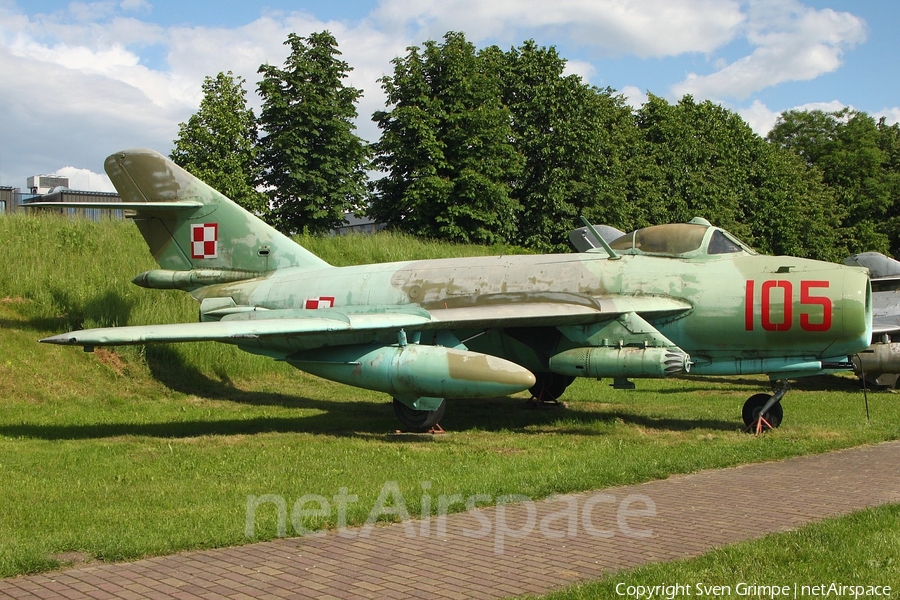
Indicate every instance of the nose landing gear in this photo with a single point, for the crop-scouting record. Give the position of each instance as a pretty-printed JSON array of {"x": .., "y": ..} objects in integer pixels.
[{"x": 763, "y": 412}]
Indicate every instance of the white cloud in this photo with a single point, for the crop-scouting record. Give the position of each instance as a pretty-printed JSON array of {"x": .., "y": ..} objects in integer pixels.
[
  {"x": 91, "y": 94},
  {"x": 642, "y": 27},
  {"x": 890, "y": 115},
  {"x": 582, "y": 68},
  {"x": 105, "y": 77},
  {"x": 760, "y": 118},
  {"x": 830, "y": 106},
  {"x": 793, "y": 43},
  {"x": 635, "y": 97},
  {"x": 141, "y": 6},
  {"x": 86, "y": 180}
]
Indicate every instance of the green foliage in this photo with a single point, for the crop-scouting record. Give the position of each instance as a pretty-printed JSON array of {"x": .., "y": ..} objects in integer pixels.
[
  {"x": 889, "y": 143},
  {"x": 445, "y": 147},
  {"x": 313, "y": 165},
  {"x": 218, "y": 142},
  {"x": 793, "y": 212},
  {"x": 697, "y": 158},
  {"x": 571, "y": 137},
  {"x": 857, "y": 160},
  {"x": 700, "y": 159},
  {"x": 497, "y": 147}
]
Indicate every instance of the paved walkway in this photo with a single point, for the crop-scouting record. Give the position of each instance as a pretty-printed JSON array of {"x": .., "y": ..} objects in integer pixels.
[{"x": 508, "y": 549}]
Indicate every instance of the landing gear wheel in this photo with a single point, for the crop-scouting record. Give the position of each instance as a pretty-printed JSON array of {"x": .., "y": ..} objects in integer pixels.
[
  {"x": 549, "y": 387},
  {"x": 759, "y": 423},
  {"x": 418, "y": 420}
]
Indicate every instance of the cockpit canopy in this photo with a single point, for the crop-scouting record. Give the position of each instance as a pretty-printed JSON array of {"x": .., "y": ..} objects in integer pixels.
[{"x": 696, "y": 238}]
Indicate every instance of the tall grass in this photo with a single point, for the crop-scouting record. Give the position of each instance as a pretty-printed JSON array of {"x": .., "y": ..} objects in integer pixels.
[{"x": 390, "y": 246}]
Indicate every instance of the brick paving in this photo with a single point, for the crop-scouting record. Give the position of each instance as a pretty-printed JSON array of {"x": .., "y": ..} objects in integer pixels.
[{"x": 511, "y": 549}]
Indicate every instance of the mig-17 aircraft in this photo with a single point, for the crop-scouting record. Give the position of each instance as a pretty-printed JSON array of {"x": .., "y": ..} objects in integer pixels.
[{"x": 657, "y": 302}]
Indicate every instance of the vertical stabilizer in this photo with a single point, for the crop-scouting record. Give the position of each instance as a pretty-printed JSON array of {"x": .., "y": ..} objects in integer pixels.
[{"x": 188, "y": 225}]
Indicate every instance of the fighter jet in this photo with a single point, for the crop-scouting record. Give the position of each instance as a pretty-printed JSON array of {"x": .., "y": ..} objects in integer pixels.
[{"x": 657, "y": 302}]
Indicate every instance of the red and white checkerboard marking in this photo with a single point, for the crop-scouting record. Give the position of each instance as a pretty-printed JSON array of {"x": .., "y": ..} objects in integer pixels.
[
  {"x": 320, "y": 302},
  {"x": 205, "y": 240}
]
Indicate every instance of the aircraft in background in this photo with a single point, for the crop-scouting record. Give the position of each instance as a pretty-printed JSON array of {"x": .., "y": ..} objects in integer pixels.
[
  {"x": 879, "y": 364},
  {"x": 657, "y": 302}
]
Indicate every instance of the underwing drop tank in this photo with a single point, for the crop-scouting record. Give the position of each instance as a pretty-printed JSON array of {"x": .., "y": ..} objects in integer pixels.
[{"x": 415, "y": 370}]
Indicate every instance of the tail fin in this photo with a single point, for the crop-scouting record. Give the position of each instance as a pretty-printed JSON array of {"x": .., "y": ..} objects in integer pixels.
[{"x": 190, "y": 226}]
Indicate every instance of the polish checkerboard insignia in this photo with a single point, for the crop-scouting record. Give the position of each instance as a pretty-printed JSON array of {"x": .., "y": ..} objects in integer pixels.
[
  {"x": 204, "y": 240},
  {"x": 320, "y": 302}
]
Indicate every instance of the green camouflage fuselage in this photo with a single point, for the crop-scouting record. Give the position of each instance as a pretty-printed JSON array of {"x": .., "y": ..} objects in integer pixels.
[{"x": 700, "y": 303}]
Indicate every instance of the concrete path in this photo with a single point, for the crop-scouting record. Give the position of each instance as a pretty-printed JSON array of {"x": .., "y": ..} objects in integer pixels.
[{"x": 508, "y": 549}]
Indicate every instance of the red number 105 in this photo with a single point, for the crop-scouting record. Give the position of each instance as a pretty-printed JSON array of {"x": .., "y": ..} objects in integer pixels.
[{"x": 782, "y": 292}]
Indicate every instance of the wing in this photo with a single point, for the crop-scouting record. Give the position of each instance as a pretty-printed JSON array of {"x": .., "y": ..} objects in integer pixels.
[{"x": 301, "y": 329}]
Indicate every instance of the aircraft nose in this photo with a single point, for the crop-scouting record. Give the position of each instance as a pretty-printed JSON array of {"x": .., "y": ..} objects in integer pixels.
[{"x": 856, "y": 309}]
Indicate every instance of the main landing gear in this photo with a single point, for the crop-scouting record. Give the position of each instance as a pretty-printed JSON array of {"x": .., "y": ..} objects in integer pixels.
[
  {"x": 763, "y": 411},
  {"x": 419, "y": 421},
  {"x": 548, "y": 387}
]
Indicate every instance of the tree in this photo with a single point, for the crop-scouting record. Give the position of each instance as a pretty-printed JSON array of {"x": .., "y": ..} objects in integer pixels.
[
  {"x": 792, "y": 211},
  {"x": 889, "y": 142},
  {"x": 853, "y": 156},
  {"x": 700, "y": 159},
  {"x": 571, "y": 137},
  {"x": 218, "y": 142},
  {"x": 312, "y": 164},
  {"x": 694, "y": 162},
  {"x": 446, "y": 147}
]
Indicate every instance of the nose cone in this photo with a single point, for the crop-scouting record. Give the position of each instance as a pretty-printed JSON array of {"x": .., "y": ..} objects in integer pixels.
[{"x": 490, "y": 375}]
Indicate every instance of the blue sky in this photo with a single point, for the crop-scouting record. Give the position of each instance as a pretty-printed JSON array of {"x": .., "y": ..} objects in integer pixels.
[{"x": 81, "y": 80}]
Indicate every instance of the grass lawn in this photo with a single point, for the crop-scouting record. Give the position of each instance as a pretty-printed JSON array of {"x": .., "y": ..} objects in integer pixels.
[{"x": 117, "y": 459}]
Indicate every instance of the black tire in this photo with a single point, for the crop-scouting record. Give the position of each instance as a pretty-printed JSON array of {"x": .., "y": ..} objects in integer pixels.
[
  {"x": 549, "y": 387},
  {"x": 754, "y": 405},
  {"x": 418, "y": 420}
]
